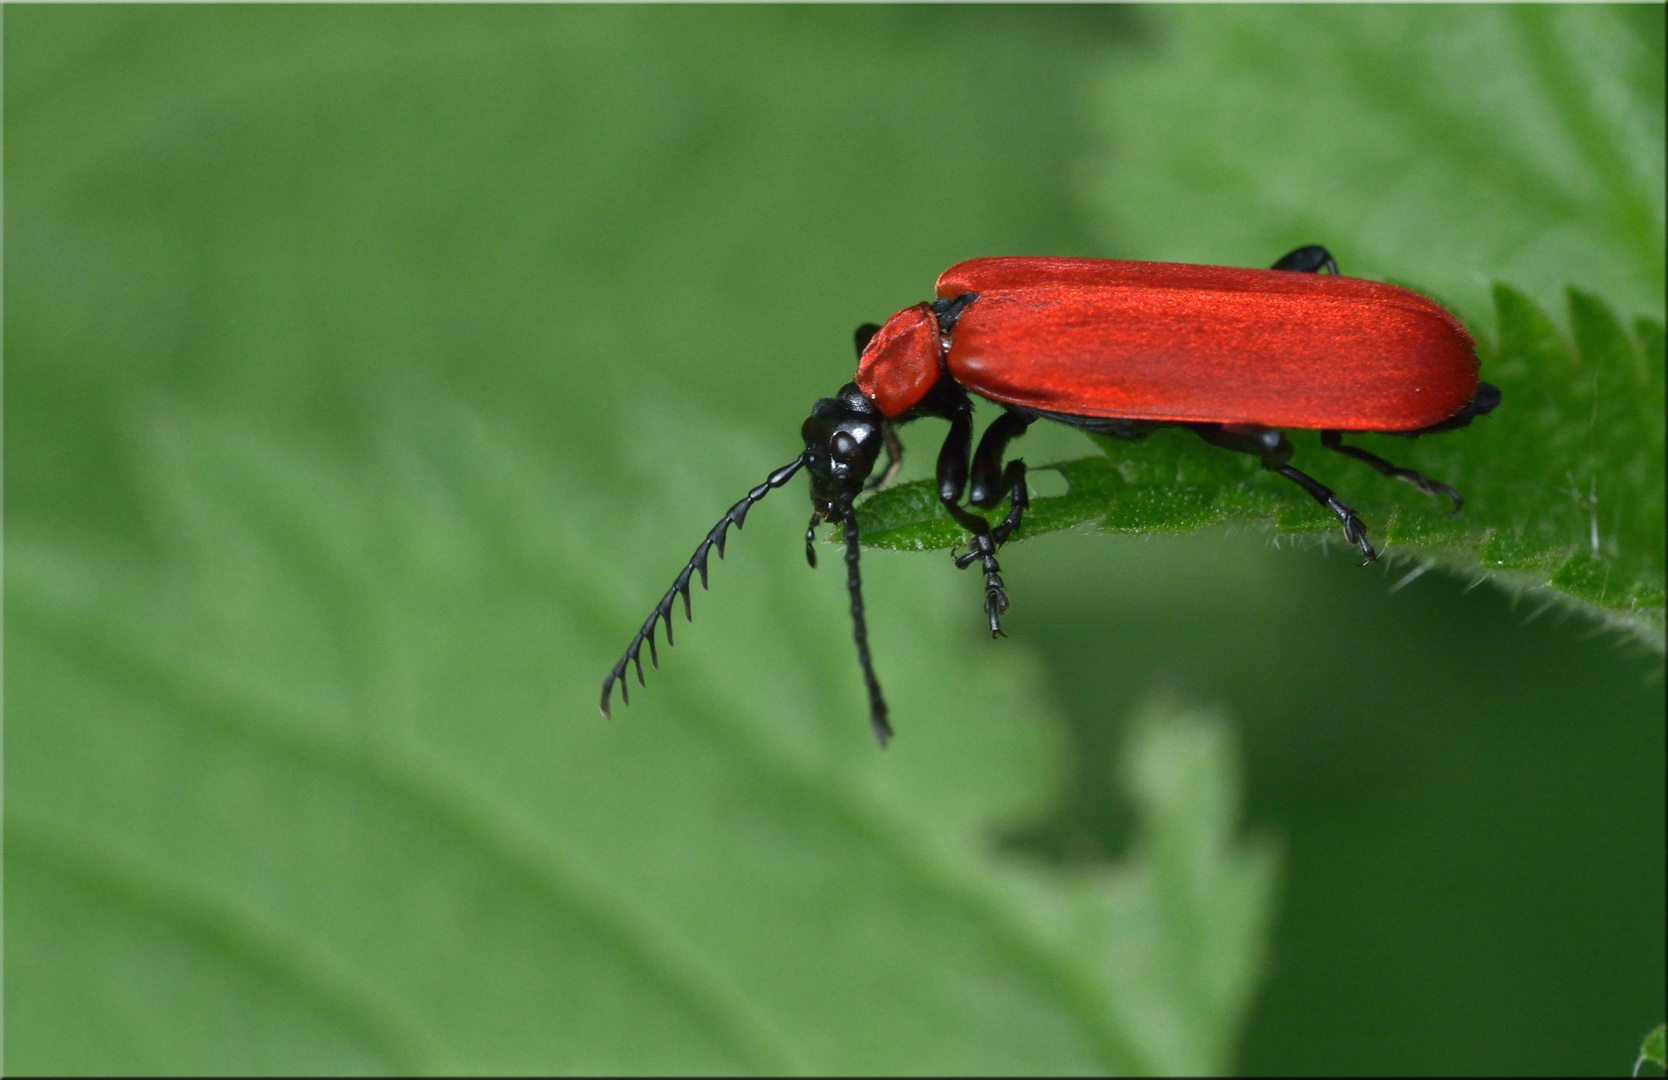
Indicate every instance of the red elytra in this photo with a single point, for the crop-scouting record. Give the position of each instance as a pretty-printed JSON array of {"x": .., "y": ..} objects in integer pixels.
[
  {"x": 1170, "y": 342},
  {"x": 1119, "y": 349}
]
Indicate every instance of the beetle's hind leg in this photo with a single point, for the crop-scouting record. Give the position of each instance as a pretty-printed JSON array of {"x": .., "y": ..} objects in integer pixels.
[
  {"x": 1271, "y": 446},
  {"x": 1436, "y": 489}
]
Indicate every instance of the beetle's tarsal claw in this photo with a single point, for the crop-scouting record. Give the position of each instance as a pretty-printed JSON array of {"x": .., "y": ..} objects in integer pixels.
[
  {"x": 1436, "y": 489},
  {"x": 1355, "y": 531}
]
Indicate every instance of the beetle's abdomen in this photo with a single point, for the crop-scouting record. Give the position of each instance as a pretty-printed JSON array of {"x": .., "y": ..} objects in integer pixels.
[{"x": 1339, "y": 353}]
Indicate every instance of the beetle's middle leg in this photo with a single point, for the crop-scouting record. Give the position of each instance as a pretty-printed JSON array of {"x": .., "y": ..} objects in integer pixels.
[
  {"x": 953, "y": 460},
  {"x": 991, "y": 480},
  {"x": 1274, "y": 450}
]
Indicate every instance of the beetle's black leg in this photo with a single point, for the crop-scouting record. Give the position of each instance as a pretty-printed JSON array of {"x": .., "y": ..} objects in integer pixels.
[
  {"x": 1333, "y": 440},
  {"x": 1311, "y": 260},
  {"x": 1354, "y": 530},
  {"x": 989, "y": 482},
  {"x": 953, "y": 458},
  {"x": 952, "y": 481},
  {"x": 1266, "y": 443},
  {"x": 894, "y": 457},
  {"x": 1274, "y": 450},
  {"x": 811, "y": 540},
  {"x": 1013, "y": 478},
  {"x": 982, "y": 547}
]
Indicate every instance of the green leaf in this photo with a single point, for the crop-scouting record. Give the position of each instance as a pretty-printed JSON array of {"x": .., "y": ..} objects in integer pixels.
[
  {"x": 324, "y": 786},
  {"x": 1652, "y": 1049},
  {"x": 1563, "y": 484}
]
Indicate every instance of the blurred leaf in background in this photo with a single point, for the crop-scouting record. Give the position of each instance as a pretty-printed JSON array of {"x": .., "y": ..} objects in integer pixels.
[
  {"x": 371, "y": 372},
  {"x": 407, "y": 859},
  {"x": 1652, "y": 1051}
]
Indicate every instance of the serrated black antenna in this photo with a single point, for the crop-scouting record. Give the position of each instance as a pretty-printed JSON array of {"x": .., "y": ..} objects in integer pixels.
[
  {"x": 737, "y": 516},
  {"x": 860, "y": 630}
]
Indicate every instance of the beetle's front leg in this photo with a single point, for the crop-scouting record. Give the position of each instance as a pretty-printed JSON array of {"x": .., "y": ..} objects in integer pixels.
[
  {"x": 952, "y": 481},
  {"x": 985, "y": 546}
]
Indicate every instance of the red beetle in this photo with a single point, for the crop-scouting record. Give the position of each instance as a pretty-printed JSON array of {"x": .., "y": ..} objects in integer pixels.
[{"x": 1116, "y": 348}]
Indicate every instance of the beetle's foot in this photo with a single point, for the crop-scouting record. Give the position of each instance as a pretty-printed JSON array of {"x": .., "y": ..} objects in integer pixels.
[
  {"x": 996, "y": 604},
  {"x": 1355, "y": 530},
  {"x": 982, "y": 550}
]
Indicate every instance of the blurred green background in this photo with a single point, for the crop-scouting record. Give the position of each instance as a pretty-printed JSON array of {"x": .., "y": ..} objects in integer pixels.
[{"x": 371, "y": 371}]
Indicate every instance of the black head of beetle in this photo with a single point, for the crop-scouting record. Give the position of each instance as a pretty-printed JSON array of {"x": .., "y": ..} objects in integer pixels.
[{"x": 843, "y": 438}]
